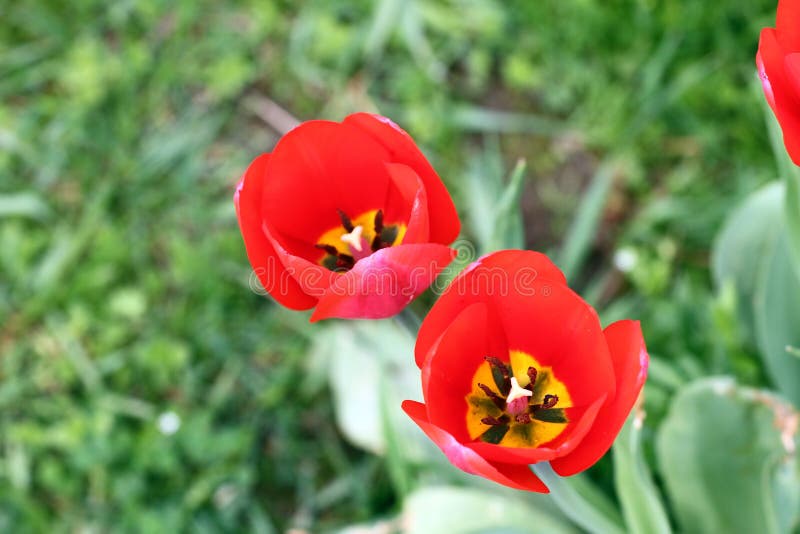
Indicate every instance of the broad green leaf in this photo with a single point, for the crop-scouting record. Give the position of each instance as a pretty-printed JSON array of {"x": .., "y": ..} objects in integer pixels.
[
  {"x": 580, "y": 501},
  {"x": 371, "y": 370},
  {"x": 642, "y": 505},
  {"x": 793, "y": 215},
  {"x": 791, "y": 176},
  {"x": 456, "y": 510},
  {"x": 742, "y": 244},
  {"x": 776, "y": 306},
  {"x": 729, "y": 460}
]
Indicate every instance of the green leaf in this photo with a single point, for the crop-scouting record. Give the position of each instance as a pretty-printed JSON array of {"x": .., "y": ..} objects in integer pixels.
[
  {"x": 492, "y": 203},
  {"x": 793, "y": 215},
  {"x": 642, "y": 505},
  {"x": 728, "y": 457},
  {"x": 742, "y": 244},
  {"x": 27, "y": 204},
  {"x": 580, "y": 501},
  {"x": 370, "y": 367},
  {"x": 791, "y": 176},
  {"x": 583, "y": 230},
  {"x": 776, "y": 306},
  {"x": 461, "y": 511}
]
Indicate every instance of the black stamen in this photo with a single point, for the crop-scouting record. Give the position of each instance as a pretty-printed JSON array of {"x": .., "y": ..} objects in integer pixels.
[
  {"x": 500, "y": 373},
  {"x": 495, "y": 398},
  {"x": 491, "y": 421},
  {"x": 344, "y": 262},
  {"x": 549, "y": 401},
  {"x": 379, "y": 222},
  {"x": 330, "y": 249},
  {"x": 377, "y": 244},
  {"x": 532, "y": 374},
  {"x": 348, "y": 225}
]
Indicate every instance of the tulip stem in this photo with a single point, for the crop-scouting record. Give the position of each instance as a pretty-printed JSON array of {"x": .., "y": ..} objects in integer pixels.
[{"x": 575, "y": 506}]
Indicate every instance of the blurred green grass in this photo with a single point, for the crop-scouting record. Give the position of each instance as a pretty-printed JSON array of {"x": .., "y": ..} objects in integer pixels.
[{"x": 124, "y": 287}]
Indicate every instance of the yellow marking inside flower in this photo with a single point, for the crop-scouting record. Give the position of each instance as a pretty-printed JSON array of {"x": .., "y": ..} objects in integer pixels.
[
  {"x": 532, "y": 434},
  {"x": 337, "y": 236}
]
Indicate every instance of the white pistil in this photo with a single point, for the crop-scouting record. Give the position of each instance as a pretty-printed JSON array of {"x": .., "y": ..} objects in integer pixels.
[
  {"x": 354, "y": 238},
  {"x": 517, "y": 392}
]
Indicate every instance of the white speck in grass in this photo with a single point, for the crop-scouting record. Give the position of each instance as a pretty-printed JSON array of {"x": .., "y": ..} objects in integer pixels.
[
  {"x": 625, "y": 259},
  {"x": 168, "y": 423}
]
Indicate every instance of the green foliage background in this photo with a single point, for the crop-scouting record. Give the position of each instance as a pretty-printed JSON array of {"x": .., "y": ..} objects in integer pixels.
[{"x": 125, "y": 291}]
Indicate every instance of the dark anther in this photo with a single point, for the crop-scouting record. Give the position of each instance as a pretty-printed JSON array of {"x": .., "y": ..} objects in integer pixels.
[
  {"x": 344, "y": 262},
  {"x": 489, "y": 420},
  {"x": 330, "y": 249},
  {"x": 495, "y": 398},
  {"x": 532, "y": 375},
  {"x": 500, "y": 374},
  {"x": 348, "y": 225},
  {"x": 523, "y": 418},
  {"x": 377, "y": 243},
  {"x": 549, "y": 401},
  {"x": 497, "y": 363}
]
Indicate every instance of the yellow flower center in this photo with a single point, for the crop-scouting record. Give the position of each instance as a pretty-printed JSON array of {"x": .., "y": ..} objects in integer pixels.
[
  {"x": 357, "y": 238},
  {"x": 516, "y": 404}
]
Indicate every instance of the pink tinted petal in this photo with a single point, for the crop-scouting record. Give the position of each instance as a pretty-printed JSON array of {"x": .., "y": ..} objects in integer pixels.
[
  {"x": 765, "y": 83},
  {"x": 384, "y": 283},
  {"x": 514, "y": 476},
  {"x": 630, "y": 360}
]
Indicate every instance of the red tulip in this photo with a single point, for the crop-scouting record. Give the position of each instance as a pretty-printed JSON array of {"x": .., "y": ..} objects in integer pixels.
[
  {"x": 517, "y": 370},
  {"x": 347, "y": 217},
  {"x": 778, "y": 62}
]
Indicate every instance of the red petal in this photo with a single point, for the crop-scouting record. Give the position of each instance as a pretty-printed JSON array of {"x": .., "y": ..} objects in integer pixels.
[
  {"x": 382, "y": 284},
  {"x": 312, "y": 278},
  {"x": 788, "y": 25},
  {"x": 563, "y": 445},
  {"x": 786, "y": 99},
  {"x": 408, "y": 195},
  {"x": 318, "y": 168},
  {"x": 517, "y": 267},
  {"x": 448, "y": 371},
  {"x": 514, "y": 476},
  {"x": 630, "y": 359},
  {"x": 263, "y": 258},
  {"x": 400, "y": 148},
  {"x": 558, "y": 328}
]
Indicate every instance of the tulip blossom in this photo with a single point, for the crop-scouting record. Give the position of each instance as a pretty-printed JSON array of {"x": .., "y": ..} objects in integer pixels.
[
  {"x": 516, "y": 370},
  {"x": 348, "y": 218},
  {"x": 778, "y": 62}
]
